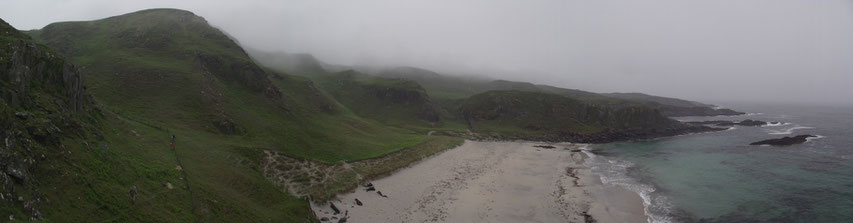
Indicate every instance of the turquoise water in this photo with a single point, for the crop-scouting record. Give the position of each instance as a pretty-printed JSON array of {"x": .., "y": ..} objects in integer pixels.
[{"x": 718, "y": 177}]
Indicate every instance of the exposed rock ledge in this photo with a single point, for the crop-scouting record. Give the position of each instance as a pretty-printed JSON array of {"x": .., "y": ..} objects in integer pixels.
[
  {"x": 785, "y": 141},
  {"x": 747, "y": 122}
]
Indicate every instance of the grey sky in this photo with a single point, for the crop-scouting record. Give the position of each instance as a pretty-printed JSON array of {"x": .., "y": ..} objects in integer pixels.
[{"x": 738, "y": 50}]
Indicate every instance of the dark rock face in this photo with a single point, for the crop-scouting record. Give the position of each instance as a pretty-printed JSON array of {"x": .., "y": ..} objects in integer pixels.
[
  {"x": 246, "y": 73},
  {"x": 419, "y": 97},
  {"x": 784, "y": 141},
  {"x": 41, "y": 100},
  {"x": 25, "y": 66},
  {"x": 672, "y": 111}
]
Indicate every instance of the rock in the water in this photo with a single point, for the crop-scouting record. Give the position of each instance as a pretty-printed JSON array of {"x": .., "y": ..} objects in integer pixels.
[
  {"x": 368, "y": 185},
  {"x": 342, "y": 220},
  {"x": 358, "y": 202},
  {"x": 784, "y": 141},
  {"x": 544, "y": 146},
  {"x": 380, "y": 193},
  {"x": 324, "y": 219},
  {"x": 750, "y": 122},
  {"x": 371, "y": 188}
]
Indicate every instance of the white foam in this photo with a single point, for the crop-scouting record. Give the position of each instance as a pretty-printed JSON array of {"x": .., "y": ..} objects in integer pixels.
[
  {"x": 787, "y": 131},
  {"x": 614, "y": 172},
  {"x": 809, "y": 139},
  {"x": 776, "y": 124}
]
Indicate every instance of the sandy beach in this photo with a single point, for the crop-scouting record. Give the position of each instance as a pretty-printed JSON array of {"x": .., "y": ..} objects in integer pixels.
[{"x": 490, "y": 182}]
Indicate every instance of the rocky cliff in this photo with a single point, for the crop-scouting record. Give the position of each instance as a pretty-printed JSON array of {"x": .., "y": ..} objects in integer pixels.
[
  {"x": 547, "y": 117},
  {"x": 42, "y": 100}
]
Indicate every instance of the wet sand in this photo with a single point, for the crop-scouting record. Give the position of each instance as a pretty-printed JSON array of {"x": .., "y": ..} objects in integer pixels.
[{"x": 491, "y": 182}]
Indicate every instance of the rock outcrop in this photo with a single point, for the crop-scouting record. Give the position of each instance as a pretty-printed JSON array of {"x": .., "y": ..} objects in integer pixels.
[
  {"x": 518, "y": 115},
  {"x": 785, "y": 141},
  {"x": 747, "y": 122},
  {"x": 41, "y": 97}
]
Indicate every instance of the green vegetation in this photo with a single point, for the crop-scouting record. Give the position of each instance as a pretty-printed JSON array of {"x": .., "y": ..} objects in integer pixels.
[
  {"x": 396, "y": 102},
  {"x": 162, "y": 72},
  {"x": 520, "y": 114},
  {"x": 443, "y": 88},
  {"x": 102, "y": 153}
]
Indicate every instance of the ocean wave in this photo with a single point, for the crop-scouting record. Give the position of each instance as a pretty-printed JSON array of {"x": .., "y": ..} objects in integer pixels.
[
  {"x": 809, "y": 139},
  {"x": 787, "y": 131},
  {"x": 777, "y": 124},
  {"x": 657, "y": 208}
]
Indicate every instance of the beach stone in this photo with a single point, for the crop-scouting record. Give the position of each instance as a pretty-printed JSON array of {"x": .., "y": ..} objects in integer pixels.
[{"x": 334, "y": 208}]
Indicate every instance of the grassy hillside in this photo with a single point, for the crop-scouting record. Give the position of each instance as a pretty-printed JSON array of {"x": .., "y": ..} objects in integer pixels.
[
  {"x": 396, "y": 102},
  {"x": 443, "y": 88},
  {"x": 68, "y": 159},
  {"x": 163, "y": 72},
  {"x": 170, "y": 120},
  {"x": 170, "y": 68},
  {"x": 537, "y": 114}
]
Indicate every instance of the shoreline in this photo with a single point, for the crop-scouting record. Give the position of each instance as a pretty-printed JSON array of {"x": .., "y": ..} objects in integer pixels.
[{"x": 492, "y": 182}]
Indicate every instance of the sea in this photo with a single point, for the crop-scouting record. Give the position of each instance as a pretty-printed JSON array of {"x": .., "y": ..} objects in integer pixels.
[{"x": 719, "y": 177}]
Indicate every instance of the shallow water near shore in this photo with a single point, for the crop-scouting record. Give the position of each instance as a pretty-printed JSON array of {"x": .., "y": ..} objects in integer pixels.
[
  {"x": 491, "y": 182},
  {"x": 718, "y": 177}
]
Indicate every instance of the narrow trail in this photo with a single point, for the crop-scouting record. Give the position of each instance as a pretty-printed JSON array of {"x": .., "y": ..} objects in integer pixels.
[{"x": 186, "y": 177}]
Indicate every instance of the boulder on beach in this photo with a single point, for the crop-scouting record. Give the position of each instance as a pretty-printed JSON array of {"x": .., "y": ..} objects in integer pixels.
[
  {"x": 784, "y": 141},
  {"x": 332, "y": 205}
]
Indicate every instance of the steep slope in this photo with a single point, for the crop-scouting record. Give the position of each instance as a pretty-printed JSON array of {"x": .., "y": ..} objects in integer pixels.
[
  {"x": 66, "y": 160},
  {"x": 163, "y": 72},
  {"x": 397, "y": 102},
  {"x": 444, "y": 87},
  {"x": 390, "y": 101},
  {"x": 674, "y": 107},
  {"x": 551, "y": 117},
  {"x": 43, "y": 107},
  {"x": 169, "y": 67},
  {"x": 287, "y": 62}
]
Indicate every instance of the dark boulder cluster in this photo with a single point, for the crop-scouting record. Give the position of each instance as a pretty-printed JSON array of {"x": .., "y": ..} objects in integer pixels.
[{"x": 785, "y": 141}]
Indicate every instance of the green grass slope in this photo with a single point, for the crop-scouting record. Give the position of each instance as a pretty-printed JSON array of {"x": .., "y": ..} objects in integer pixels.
[
  {"x": 389, "y": 101},
  {"x": 65, "y": 159},
  {"x": 170, "y": 68},
  {"x": 444, "y": 87},
  {"x": 162, "y": 72},
  {"x": 522, "y": 114}
]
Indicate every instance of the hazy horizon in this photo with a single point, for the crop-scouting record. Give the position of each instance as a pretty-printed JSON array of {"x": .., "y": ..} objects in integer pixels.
[{"x": 792, "y": 51}]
